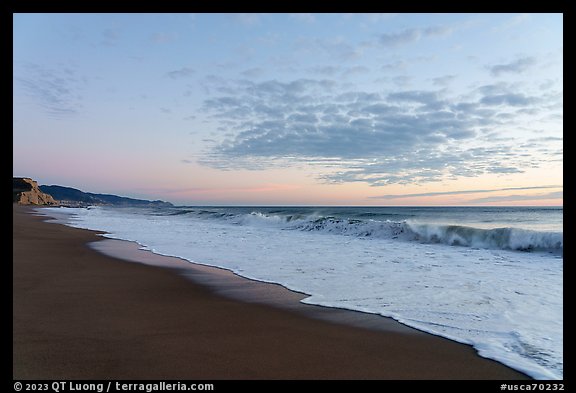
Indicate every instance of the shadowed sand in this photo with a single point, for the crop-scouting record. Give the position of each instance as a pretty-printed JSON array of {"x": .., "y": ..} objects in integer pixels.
[{"x": 81, "y": 314}]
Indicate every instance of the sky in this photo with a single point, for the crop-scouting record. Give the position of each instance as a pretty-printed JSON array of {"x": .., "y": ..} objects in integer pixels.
[{"x": 293, "y": 109}]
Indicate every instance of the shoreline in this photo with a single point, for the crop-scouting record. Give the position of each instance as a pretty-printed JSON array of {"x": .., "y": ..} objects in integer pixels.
[
  {"x": 237, "y": 287},
  {"x": 80, "y": 313},
  {"x": 226, "y": 283}
]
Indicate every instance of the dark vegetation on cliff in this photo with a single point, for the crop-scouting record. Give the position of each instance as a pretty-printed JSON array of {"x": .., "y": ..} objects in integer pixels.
[{"x": 69, "y": 196}]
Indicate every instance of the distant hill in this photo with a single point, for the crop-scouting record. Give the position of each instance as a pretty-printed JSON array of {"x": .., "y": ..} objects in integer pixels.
[
  {"x": 25, "y": 191},
  {"x": 68, "y": 196}
]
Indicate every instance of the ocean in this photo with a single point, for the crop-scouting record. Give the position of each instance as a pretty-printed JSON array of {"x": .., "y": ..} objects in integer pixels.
[{"x": 491, "y": 277}]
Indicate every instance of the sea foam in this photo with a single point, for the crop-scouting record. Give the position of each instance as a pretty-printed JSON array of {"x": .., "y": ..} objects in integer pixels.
[{"x": 506, "y": 303}]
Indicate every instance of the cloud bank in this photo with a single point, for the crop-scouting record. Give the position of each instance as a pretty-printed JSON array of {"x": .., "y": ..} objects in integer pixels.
[
  {"x": 380, "y": 138},
  {"x": 518, "y": 198},
  {"x": 462, "y": 192}
]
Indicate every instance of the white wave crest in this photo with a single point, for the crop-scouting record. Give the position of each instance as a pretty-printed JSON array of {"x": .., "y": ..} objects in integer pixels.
[{"x": 454, "y": 235}]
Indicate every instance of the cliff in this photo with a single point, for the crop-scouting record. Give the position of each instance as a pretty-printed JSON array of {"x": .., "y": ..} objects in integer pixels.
[{"x": 25, "y": 191}]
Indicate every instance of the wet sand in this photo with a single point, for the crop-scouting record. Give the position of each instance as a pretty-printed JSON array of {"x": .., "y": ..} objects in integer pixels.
[{"x": 82, "y": 314}]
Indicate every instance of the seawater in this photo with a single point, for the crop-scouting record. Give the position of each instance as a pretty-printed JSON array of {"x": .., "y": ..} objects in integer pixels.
[{"x": 486, "y": 276}]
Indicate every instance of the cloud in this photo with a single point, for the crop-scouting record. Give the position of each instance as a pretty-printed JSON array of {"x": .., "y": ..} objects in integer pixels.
[
  {"x": 183, "y": 72},
  {"x": 443, "y": 80},
  {"x": 404, "y": 37},
  {"x": 408, "y": 36},
  {"x": 437, "y": 31},
  {"x": 418, "y": 96},
  {"x": 462, "y": 192},
  {"x": 380, "y": 138},
  {"x": 508, "y": 99},
  {"x": 423, "y": 163},
  {"x": 395, "y": 66},
  {"x": 517, "y": 198},
  {"x": 57, "y": 91},
  {"x": 515, "y": 67}
]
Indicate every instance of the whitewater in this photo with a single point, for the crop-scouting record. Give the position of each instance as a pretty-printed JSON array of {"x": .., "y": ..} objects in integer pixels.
[{"x": 488, "y": 277}]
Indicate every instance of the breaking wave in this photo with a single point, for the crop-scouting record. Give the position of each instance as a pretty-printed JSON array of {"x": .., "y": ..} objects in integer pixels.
[{"x": 454, "y": 235}]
